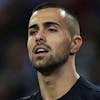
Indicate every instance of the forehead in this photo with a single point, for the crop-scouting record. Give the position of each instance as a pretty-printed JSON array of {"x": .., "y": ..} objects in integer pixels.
[{"x": 48, "y": 14}]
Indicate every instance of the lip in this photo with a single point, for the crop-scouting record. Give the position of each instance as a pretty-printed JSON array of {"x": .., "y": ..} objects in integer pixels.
[{"x": 41, "y": 53}]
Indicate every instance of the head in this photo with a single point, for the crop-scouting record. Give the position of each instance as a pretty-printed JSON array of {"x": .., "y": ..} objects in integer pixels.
[{"x": 53, "y": 37}]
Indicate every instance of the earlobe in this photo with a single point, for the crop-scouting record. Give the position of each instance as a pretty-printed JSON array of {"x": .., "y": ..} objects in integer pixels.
[{"x": 76, "y": 44}]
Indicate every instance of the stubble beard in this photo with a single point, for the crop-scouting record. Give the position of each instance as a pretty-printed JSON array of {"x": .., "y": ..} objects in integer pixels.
[{"x": 51, "y": 62}]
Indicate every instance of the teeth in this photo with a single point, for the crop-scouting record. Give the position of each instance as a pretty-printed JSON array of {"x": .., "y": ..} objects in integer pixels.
[{"x": 40, "y": 50}]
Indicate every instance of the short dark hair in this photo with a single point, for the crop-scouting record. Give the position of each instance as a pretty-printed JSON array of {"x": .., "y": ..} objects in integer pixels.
[
  {"x": 47, "y": 5},
  {"x": 73, "y": 24}
]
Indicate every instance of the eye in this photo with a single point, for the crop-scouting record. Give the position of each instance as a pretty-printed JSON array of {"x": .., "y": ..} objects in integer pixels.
[
  {"x": 51, "y": 29},
  {"x": 32, "y": 32}
]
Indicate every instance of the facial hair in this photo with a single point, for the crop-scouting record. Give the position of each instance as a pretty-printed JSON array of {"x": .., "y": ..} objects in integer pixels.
[{"x": 52, "y": 61}]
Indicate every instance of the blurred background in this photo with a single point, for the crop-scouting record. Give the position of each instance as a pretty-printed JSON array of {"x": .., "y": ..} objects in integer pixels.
[{"x": 17, "y": 76}]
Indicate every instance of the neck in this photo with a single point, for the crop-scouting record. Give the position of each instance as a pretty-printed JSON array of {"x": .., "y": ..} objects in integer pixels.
[{"x": 55, "y": 85}]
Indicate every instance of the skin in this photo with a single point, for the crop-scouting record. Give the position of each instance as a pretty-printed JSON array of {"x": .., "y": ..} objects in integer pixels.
[{"x": 56, "y": 68}]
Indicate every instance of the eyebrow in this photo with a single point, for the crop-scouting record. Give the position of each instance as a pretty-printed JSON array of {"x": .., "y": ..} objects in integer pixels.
[
  {"x": 45, "y": 24},
  {"x": 32, "y": 26},
  {"x": 51, "y": 23}
]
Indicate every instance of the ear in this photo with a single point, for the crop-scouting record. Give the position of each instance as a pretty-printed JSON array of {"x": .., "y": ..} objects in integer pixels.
[{"x": 76, "y": 44}]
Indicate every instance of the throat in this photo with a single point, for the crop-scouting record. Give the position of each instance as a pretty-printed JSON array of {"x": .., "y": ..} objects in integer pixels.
[
  {"x": 52, "y": 87},
  {"x": 47, "y": 87}
]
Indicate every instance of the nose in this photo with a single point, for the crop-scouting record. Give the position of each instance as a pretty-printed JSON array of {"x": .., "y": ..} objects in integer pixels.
[{"x": 40, "y": 36}]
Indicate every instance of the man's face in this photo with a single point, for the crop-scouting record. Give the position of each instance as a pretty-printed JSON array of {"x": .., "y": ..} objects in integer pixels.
[{"x": 49, "y": 40}]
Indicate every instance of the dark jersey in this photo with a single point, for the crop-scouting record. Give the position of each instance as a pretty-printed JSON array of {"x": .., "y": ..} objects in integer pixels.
[{"x": 82, "y": 90}]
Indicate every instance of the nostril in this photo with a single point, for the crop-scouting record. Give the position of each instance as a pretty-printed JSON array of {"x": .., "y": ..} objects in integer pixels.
[
  {"x": 40, "y": 37},
  {"x": 38, "y": 40}
]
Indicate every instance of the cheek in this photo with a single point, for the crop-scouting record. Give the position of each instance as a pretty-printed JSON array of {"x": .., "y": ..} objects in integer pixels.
[
  {"x": 30, "y": 43},
  {"x": 60, "y": 45}
]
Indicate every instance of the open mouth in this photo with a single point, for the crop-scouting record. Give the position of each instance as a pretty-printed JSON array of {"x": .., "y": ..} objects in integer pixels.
[{"x": 41, "y": 50}]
